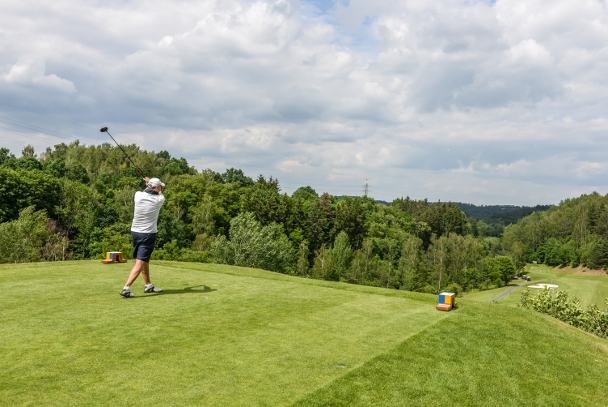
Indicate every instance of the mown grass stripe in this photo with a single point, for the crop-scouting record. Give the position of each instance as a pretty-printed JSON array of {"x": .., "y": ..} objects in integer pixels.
[
  {"x": 234, "y": 340},
  {"x": 483, "y": 355}
]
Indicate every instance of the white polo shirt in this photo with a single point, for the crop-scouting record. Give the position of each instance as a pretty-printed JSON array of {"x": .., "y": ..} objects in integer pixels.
[{"x": 147, "y": 207}]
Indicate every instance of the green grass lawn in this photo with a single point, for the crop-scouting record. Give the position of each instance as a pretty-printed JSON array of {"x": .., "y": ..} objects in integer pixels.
[
  {"x": 590, "y": 289},
  {"x": 226, "y": 336},
  {"x": 487, "y": 295}
]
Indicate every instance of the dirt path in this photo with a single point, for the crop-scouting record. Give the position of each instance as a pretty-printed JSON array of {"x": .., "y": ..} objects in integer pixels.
[{"x": 510, "y": 290}]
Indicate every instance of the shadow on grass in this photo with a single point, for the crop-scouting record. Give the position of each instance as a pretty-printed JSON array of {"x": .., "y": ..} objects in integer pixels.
[{"x": 187, "y": 290}]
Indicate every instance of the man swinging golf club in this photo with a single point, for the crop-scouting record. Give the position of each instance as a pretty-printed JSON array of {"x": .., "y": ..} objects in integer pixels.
[{"x": 143, "y": 231}]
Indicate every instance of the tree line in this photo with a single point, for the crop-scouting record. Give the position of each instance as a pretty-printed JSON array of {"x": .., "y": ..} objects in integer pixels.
[
  {"x": 75, "y": 201},
  {"x": 573, "y": 233}
]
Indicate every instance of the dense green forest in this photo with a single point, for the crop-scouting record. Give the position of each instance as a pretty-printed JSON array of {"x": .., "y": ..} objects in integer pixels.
[
  {"x": 76, "y": 202},
  {"x": 573, "y": 233},
  {"x": 512, "y": 212},
  {"x": 491, "y": 220}
]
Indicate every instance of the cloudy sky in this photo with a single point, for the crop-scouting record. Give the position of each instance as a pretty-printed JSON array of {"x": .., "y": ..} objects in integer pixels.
[{"x": 486, "y": 102}]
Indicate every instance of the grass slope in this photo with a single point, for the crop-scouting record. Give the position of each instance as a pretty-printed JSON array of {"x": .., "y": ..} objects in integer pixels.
[
  {"x": 488, "y": 295},
  {"x": 217, "y": 335},
  {"x": 483, "y": 355},
  {"x": 223, "y": 335},
  {"x": 589, "y": 288}
]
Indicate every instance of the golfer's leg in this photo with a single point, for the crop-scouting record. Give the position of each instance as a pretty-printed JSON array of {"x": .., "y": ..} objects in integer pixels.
[
  {"x": 137, "y": 268},
  {"x": 145, "y": 271}
]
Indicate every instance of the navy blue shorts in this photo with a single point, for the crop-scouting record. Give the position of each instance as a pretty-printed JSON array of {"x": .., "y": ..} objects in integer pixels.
[{"x": 143, "y": 245}]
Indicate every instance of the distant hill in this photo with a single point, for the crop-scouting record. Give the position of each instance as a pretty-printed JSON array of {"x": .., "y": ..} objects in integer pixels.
[
  {"x": 378, "y": 201},
  {"x": 503, "y": 212},
  {"x": 494, "y": 213}
]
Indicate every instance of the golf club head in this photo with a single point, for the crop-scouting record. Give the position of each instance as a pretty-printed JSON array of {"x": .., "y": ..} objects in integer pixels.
[{"x": 103, "y": 129}]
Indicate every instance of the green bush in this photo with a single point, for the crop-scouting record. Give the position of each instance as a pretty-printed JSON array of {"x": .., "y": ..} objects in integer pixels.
[
  {"x": 429, "y": 289},
  {"x": 195, "y": 256},
  {"x": 453, "y": 288},
  {"x": 29, "y": 238},
  {"x": 569, "y": 310},
  {"x": 20, "y": 189},
  {"x": 254, "y": 245},
  {"x": 186, "y": 255},
  {"x": 114, "y": 238},
  {"x": 371, "y": 283}
]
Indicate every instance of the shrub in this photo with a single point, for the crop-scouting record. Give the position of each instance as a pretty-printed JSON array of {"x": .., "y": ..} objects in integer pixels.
[
  {"x": 20, "y": 189},
  {"x": 195, "y": 256},
  {"x": 202, "y": 242},
  {"x": 254, "y": 245},
  {"x": 186, "y": 255},
  {"x": 341, "y": 255},
  {"x": 57, "y": 243},
  {"x": 453, "y": 288},
  {"x": 30, "y": 238},
  {"x": 113, "y": 238},
  {"x": 569, "y": 310},
  {"x": 429, "y": 289},
  {"x": 171, "y": 250},
  {"x": 371, "y": 283}
]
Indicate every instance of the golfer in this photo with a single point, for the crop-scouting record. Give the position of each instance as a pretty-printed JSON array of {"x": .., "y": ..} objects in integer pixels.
[{"x": 143, "y": 231}]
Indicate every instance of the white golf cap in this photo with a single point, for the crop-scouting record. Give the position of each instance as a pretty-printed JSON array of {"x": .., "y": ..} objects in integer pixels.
[{"x": 154, "y": 182}]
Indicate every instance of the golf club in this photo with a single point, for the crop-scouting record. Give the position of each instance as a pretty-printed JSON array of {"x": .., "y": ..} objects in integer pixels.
[{"x": 105, "y": 130}]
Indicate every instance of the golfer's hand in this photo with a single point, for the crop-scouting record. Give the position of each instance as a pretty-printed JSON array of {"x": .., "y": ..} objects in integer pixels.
[{"x": 147, "y": 179}]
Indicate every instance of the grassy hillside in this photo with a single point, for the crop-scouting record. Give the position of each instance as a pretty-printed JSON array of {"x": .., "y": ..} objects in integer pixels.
[
  {"x": 482, "y": 355},
  {"x": 589, "y": 287},
  {"x": 221, "y": 335}
]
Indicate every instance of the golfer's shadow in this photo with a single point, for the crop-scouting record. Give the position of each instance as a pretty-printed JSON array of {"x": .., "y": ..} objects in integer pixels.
[{"x": 187, "y": 290}]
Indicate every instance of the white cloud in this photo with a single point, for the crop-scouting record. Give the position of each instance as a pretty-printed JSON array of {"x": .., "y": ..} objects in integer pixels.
[
  {"x": 31, "y": 73},
  {"x": 381, "y": 90}
]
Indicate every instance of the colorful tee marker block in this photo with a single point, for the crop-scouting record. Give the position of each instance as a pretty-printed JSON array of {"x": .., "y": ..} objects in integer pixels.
[
  {"x": 443, "y": 307},
  {"x": 446, "y": 301},
  {"x": 112, "y": 257}
]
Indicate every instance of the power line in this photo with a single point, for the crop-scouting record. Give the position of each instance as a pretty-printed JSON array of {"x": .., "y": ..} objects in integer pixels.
[
  {"x": 60, "y": 135},
  {"x": 49, "y": 117},
  {"x": 36, "y": 146},
  {"x": 289, "y": 183},
  {"x": 270, "y": 169},
  {"x": 21, "y": 134},
  {"x": 45, "y": 130},
  {"x": 94, "y": 141},
  {"x": 38, "y": 128}
]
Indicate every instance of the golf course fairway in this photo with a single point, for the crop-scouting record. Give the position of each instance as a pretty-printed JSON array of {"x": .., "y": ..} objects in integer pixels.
[
  {"x": 589, "y": 289},
  {"x": 230, "y": 336}
]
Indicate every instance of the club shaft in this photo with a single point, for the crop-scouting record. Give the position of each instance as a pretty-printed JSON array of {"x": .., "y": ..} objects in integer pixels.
[{"x": 125, "y": 153}]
